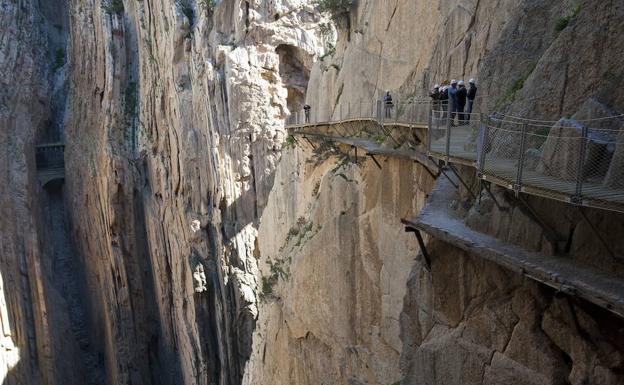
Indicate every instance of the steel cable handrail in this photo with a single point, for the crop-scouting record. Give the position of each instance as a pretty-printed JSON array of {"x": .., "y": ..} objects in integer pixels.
[
  {"x": 552, "y": 125},
  {"x": 621, "y": 116}
]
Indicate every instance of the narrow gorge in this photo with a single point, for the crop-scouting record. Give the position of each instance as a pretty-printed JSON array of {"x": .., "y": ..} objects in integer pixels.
[{"x": 220, "y": 192}]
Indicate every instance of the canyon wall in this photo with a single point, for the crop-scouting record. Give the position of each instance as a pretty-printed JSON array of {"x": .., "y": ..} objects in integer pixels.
[
  {"x": 467, "y": 320},
  {"x": 173, "y": 135},
  {"x": 334, "y": 264},
  {"x": 192, "y": 243}
]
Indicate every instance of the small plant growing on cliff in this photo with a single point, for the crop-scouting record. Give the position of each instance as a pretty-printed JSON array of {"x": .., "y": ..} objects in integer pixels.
[
  {"x": 278, "y": 269},
  {"x": 337, "y": 8},
  {"x": 113, "y": 7},
  {"x": 510, "y": 95},
  {"x": 59, "y": 59},
  {"x": 290, "y": 142},
  {"x": 130, "y": 101},
  {"x": 330, "y": 50},
  {"x": 563, "y": 22}
]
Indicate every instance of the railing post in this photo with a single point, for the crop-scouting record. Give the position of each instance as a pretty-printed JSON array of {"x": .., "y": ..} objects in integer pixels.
[
  {"x": 484, "y": 133},
  {"x": 429, "y": 127},
  {"x": 518, "y": 185},
  {"x": 577, "y": 199},
  {"x": 448, "y": 130}
]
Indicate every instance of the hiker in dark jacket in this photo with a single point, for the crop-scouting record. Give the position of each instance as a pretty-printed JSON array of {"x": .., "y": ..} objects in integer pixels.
[
  {"x": 443, "y": 102},
  {"x": 306, "y": 110},
  {"x": 435, "y": 99},
  {"x": 472, "y": 94},
  {"x": 462, "y": 93},
  {"x": 454, "y": 103},
  {"x": 388, "y": 105}
]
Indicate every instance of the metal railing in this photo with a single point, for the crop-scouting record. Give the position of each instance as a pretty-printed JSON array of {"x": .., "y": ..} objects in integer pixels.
[
  {"x": 413, "y": 112},
  {"x": 578, "y": 163},
  {"x": 50, "y": 156},
  {"x": 581, "y": 162}
]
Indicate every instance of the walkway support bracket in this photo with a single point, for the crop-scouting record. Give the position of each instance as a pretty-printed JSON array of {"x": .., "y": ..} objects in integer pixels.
[
  {"x": 374, "y": 159},
  {"x": 309, "y": 141},
  {"x": 597, "y": 233},
  {"x": 443, "y": 171},
  {"x": 486, "y": 186},
  {"x": 462, "y": 181},
  {"x": 550, "y": 234},
  {"x": 421, "y": 243},
  {"x": 433, "y": 175}
]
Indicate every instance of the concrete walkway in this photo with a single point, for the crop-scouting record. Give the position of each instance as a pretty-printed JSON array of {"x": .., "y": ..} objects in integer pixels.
[{"x": 563, "y": 274}]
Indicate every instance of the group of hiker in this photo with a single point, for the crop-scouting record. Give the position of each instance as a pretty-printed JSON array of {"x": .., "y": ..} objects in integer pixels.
[
  {"x": 451, "y": 97},
  {"x": 456, "y": 99}
]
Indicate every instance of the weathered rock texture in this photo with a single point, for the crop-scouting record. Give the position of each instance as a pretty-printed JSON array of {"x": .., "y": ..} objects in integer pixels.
[
  {"x": 335, "y": 261},
  {"x": 467, "y": 321},
  {"x": 142, "y": 267},
  {"x": 471, "y": 322},
  {"x": 177, "y": 117}
]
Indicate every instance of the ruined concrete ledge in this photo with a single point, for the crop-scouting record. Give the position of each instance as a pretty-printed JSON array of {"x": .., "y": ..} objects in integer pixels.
[
  {"x": 372, "y": 148},
  {"x": 563, "y": 274}
]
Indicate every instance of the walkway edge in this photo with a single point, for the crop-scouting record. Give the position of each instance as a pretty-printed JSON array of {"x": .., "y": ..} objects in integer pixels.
[{"x": 597, "y": 287}]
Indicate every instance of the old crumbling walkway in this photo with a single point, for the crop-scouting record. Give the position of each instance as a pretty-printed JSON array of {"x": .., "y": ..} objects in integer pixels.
[{"x": 50, "y": 158}]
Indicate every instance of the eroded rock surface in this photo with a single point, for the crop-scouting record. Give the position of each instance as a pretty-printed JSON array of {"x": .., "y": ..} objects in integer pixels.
[{"x": 197, "y": 256}]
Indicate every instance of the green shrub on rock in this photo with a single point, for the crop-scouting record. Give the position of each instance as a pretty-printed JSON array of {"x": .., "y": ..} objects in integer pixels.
[{"x": 337, "y": 8}]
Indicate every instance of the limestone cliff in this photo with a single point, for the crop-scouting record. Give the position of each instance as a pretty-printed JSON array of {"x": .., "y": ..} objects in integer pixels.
[
  {"x": 466, "y": 320},
  {"x": 191, "y": 243}
]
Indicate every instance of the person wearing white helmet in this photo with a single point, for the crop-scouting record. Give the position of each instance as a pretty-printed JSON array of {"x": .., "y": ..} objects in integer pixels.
[
  {"x": 472, "y": 94},
  {"x": 443, "y": 100},
  {"x": 461, "y": 101}
]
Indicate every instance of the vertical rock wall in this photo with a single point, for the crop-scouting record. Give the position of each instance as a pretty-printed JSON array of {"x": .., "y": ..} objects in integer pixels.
[
  {"x": 334, "y": 261},
  {"x": 173, "y": 124},
  {"x": 27, "y": 341},
  {"x": 466, "y": 321},
  {"x": 174, "y": 133}
]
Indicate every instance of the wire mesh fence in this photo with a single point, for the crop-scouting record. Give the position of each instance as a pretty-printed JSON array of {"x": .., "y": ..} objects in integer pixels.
[
  {"x": 567, "y": 161},
  {"x": 577, "y": 161},
  {"x": 413, "y": 112}
]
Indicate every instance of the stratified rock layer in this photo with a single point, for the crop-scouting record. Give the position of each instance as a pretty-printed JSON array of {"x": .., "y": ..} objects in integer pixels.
[{"x": 179, "y": 250}]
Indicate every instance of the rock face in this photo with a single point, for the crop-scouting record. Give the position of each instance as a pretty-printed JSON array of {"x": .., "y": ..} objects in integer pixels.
[
  {"x": 186, "y": 245},
  {"x": 466, "y": 321},
  {"x": 334, "y": 262},
  {"x": 480, "y": 324},
  {"x": 179, "y": 114},
  {"x": 561, "y": 156}
]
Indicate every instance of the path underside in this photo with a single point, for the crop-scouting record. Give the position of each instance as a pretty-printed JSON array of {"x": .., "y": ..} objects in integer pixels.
[{"x": 563, "y": 274}]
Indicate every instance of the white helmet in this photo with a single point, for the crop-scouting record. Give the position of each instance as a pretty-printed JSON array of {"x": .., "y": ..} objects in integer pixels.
[
  {"x": 436, "y": 86},
  {"x": 453, "y": 81},
  {"x": 461, "y": 83},
  {"x": 472, "y": 81}
]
